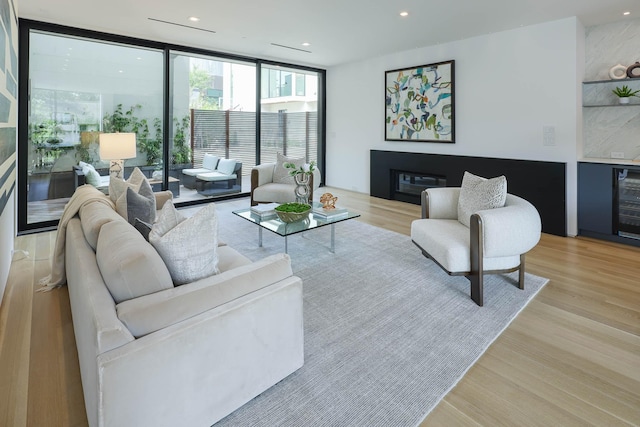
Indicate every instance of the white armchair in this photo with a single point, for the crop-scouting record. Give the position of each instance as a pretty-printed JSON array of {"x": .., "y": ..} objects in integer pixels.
[
  {"x": 496, "y": 241},
  {"x": 264, "y": 190}
]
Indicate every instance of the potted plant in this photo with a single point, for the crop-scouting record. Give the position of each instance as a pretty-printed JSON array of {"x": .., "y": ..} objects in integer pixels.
[{"x": 624, "y": 93}]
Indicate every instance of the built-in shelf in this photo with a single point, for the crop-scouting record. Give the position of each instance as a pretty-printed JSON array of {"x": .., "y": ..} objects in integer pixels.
[{"x": 599, "y": 93}]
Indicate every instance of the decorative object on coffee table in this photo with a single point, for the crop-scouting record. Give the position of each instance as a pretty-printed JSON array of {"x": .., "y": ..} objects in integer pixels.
[
  {"x": 293, "y": 212},
  {"x": 328, "y": 201},
  {"x": 302, "y": 177}
]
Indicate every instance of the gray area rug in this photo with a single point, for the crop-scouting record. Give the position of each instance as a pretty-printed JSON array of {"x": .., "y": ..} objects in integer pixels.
[{"x": 387, "y": 332}]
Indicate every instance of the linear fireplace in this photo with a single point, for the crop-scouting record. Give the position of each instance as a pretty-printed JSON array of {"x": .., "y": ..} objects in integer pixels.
[{"x": 408, "y": 185}]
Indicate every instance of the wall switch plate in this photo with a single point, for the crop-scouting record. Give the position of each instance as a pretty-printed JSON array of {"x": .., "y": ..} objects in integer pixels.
[
  {"x": 617, "y": 155},
  {"x": 548, "y": 135}
]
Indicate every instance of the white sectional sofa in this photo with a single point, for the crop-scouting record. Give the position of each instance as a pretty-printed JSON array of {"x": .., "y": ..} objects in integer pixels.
[{"x": 184, "y": 356}]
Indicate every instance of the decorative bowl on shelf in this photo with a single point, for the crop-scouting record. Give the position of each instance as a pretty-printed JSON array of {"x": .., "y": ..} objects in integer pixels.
[{"x": 292, "y": 212}]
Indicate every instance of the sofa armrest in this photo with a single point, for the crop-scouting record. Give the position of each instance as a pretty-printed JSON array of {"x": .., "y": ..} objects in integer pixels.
[
  {"x": 440, "y": 203},
  {"x": 162, "y": 197},
  {"x": 511, "y": 230},
  {"x": 156, "y": 311}
]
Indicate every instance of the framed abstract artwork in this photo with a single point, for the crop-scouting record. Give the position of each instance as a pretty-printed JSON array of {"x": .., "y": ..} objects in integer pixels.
[{"x": 419, "y": 103}]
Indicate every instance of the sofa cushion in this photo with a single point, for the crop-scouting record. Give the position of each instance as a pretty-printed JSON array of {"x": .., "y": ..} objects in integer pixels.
[
  {"x": 154, "y": 312},
  {"x": 226, "y": 166},
  {"x": 281, "y": 174},
  {"x": 129, "y": 265},
  {"x": 477, "y": 193},
  {"x": 93, "y": 216},
  {"x": 210, "y": 161},
  {"x": 187, "y": 246}
]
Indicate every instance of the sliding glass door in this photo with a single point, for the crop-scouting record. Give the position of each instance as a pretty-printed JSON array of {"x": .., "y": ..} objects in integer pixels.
[
  {"x": 213, "y": 111},
  {"x": 290, "y": 120},
  {"x": 78, "y": 89}
]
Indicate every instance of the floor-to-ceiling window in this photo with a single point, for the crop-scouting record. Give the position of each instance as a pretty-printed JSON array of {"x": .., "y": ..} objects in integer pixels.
[
  {"x": 78, "y": 89},
  {"x": 290, "y": 121},
  {"x": 183, "y": 104},
  {"x": 214, "y": 113}
]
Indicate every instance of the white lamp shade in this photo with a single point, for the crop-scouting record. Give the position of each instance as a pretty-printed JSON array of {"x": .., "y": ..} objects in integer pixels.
[{"x": 117, "y": 146}]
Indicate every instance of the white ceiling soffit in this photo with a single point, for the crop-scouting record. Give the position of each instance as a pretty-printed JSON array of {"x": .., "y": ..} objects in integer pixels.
[{"x": 337, "y": 31}]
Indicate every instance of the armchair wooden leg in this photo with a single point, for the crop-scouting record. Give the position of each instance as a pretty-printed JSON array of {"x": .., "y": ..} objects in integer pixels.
[
  {"x": 477, "y": 256},
  {"x": 477, "y": 287},
  {"x": 521, "y": 273}
]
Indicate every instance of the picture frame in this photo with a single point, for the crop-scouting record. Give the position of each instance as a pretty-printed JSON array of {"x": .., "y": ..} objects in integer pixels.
[{"x": 420, "y": 103}]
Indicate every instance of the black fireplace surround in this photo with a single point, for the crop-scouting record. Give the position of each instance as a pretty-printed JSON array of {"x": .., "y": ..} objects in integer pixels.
[{"x": 541, "y": 183}]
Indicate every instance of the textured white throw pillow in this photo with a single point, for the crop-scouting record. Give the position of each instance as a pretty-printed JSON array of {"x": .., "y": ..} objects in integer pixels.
[
  {"x": 281, "y": 174},
  {"x": 188, "y": 246},
  {"x": 477, "y": 193}
]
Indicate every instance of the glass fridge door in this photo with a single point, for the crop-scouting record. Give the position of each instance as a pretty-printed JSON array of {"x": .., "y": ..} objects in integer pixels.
[{"x": 627, "y": 206}]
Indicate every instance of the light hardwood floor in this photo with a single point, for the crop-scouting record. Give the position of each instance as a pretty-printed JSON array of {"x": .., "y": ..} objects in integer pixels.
[{"x": 571, "y": 357}]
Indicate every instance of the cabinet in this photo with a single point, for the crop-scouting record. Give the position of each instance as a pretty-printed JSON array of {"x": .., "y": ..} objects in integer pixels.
[
  {"x": 595, "y": 198},
  {"x": 596, "y": 201}
]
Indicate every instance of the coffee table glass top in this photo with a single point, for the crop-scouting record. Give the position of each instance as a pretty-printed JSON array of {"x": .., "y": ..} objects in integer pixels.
[{"x": 274, "y": 224}]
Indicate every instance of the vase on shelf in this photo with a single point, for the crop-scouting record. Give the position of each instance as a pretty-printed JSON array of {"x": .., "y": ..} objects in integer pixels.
[
  {"x": 303, "y": 189},
  {"x": 623, "y": 100}
]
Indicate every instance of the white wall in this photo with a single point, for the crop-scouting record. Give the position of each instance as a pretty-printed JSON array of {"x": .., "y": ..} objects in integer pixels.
[{"x": 508, "y": 85}]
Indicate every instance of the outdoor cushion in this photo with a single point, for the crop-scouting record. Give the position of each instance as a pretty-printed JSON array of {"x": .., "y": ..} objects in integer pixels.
[
  {"x": 226, "y": 166},
  {"x": 215, "y": 176}
]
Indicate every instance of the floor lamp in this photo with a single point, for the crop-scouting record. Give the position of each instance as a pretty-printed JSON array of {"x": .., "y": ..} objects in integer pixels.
[{"x": 116, "y": 147}]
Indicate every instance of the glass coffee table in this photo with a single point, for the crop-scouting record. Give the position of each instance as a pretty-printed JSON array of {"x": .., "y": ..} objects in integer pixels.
[{"x": 285, "y": 229}]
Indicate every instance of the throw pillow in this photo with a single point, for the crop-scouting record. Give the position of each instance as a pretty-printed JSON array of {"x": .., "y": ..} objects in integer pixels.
[
  {"x": 226, "y": 166},
  {"x": 280, "y": 173},
  {"x": 142, "y": 205},
  {"x": 478, "y": 193},
  {"x": 129, "y": 265},
  {"x": 134, "y": 199},
  {"x": 188, "y": 246},
  {"x": 210, "y": 161},
  {"x": 143, "y": 227},
  {"x": 118, "y": 186}
]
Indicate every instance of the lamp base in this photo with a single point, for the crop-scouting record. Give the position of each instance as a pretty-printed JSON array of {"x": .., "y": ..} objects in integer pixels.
[{"x": 116, "y": 169}]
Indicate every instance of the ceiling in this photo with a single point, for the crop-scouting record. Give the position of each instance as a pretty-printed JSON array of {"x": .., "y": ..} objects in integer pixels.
[{"x": 338, "y": 31}]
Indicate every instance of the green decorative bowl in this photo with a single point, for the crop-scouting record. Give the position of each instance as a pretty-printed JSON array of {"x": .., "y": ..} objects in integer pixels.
[{"x": 292, "y": 212}]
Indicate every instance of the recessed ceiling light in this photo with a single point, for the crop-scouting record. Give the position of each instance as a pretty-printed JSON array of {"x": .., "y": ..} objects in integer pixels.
[
  {"x": 626, "y": 13},
  {"x": 306, "y": 44},
  {"x": 194, "y": 19},
  {"x": 404, "y": 13},
  {"x": 120, "y": 71}
]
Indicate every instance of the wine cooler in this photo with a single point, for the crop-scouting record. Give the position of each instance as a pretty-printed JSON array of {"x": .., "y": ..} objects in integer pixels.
[{"x": 626, "y": 206}]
